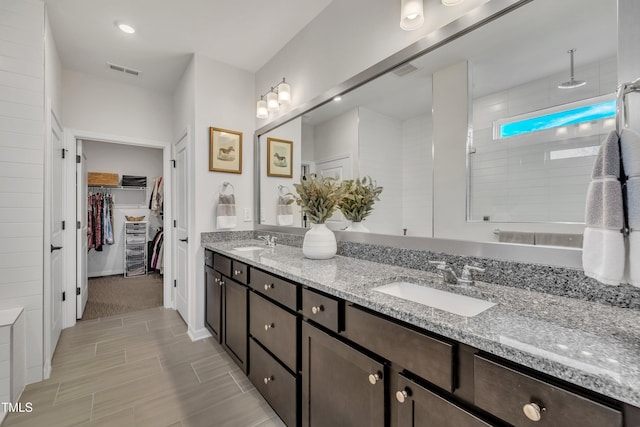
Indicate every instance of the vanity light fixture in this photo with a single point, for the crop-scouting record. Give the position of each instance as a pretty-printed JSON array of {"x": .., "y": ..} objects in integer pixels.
[
  {"x": 411, "y": 14},
  {"x": 451, "y": 2},
  {"x": 125, "y": 28},
  {"x": 337, "y": 98},
  {"x": 279, "y": 94}
]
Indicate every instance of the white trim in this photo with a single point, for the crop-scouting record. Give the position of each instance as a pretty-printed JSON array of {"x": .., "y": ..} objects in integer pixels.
[
  {"x": 198, "y": 334},
  {"x": 71, "y": 135}
]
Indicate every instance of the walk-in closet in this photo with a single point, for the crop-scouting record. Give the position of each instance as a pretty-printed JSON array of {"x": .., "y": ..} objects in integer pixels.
[{"x": 124, "y": 193}]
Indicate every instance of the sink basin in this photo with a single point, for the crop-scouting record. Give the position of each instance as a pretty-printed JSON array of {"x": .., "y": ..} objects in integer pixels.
[
  {"x": 442, "y": 300},
  {"x": 249, "y": 248}
]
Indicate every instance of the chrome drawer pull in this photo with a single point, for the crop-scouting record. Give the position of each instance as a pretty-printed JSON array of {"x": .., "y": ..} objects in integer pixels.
[
  {"x": 374, "y": 378},
  {"x": 220, "y": 282},
  {"x": 316, "y": 310},
  {"x": 267, "y": 380},
  {"x": 533, "y": 411},
  {"x": 267, "y": 286},
  {"x": 268, "y": 326},
  {"x": 402, "y": 395},
  {"x": 237, "y": 272}
]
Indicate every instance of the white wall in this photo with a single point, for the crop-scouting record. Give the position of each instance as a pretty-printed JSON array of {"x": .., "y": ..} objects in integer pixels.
[
  {"x": 269, "y": 190},
  {"x": 337, "y": 137},
  {"x": 104, "y": 106},
  {"x": 21, "y": 166},
  {"x": 123, "y": 160},
  {"x": 380, "y": 158},
  {"x": 224, "y": 98},
  {"x": 417, "y": 176},
  {"x": 343, "y": 40}
]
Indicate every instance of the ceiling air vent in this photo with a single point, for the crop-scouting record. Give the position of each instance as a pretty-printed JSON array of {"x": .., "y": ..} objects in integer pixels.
[
  {"x": 122, "y": 69},
  {"x": 404, "y": 69}
]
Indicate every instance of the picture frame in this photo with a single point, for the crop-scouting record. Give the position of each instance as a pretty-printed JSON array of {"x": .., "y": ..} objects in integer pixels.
[
  {"x": 225, "y": 150},
  {"x": 279, "y": 158}
]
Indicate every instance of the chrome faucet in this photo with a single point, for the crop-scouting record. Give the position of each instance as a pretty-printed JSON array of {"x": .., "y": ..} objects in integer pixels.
[
  {"x": 270, "y": 241},
  {"x": 448, "y": 274}
]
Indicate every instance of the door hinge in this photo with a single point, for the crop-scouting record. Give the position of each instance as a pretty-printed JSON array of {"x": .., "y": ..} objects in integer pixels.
[
  {"x": 78, "y": 225},
  {"x": 78, "y": 158},
  {"x": 173, "y": 162},
  {"x": 175, "y": 283},
  {"x": 64, "y": 153},
  {"x": 175, "y": 223},
  {"x": 64, "y": 224},
  {"x": 77, "y": 291},
  {"x": 64, "y": 296}
]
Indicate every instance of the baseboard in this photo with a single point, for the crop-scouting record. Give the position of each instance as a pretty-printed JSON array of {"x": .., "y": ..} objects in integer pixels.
[
  {"x": 105, "y": 273},
  {"x": 46, "y": 372},
  {"x": 198, "y": 334}
]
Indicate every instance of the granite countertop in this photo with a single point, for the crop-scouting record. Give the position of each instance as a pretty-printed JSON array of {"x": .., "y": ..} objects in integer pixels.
[{"x": 589, "y": 344}]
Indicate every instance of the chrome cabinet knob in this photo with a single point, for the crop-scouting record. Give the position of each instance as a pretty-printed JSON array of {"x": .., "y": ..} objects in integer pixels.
[
  {"x": 216, "y": 280},
  {"x": 402, "y": 395},
  {"x": 268, "y": 326},
  {"x": 267, "y": 380},
  {"x": 220, "y": 282},
  {"x": 317, "y": 309},
  {"x": 268, "y": 286},
  {"x": 374, "y": 378},
  {"x": 533, "y": 411},
  {"x": 237, "y": 272}
]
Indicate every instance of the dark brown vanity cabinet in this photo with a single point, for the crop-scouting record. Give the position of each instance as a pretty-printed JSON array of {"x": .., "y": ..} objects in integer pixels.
[
  {"x": 340, "y": 385},
  {"x": 226, "y": 303}
]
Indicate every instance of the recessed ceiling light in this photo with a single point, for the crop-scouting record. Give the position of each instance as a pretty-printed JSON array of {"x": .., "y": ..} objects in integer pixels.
[
  {"x": 126, "y": 28},
  {"x": 337, "y": 98}
]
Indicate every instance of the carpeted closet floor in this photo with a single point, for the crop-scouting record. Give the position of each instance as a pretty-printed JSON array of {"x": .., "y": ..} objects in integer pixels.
[{"x": 111, "y": 295}]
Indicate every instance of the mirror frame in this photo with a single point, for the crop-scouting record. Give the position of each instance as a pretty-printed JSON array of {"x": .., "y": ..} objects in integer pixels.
[{"x": 483, "y": 14}]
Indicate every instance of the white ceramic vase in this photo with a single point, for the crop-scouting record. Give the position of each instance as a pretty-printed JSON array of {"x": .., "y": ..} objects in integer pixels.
[
  {"x": 319, "y": 242},
  {"x": 357, "y": 226}
]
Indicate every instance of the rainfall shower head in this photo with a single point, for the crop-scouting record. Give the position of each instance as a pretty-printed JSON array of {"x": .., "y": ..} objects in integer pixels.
[{"x": 573, "y": 83}]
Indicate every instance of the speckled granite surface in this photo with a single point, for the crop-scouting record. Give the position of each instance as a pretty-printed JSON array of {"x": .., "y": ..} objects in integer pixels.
[{"x": 592, "y": 345}]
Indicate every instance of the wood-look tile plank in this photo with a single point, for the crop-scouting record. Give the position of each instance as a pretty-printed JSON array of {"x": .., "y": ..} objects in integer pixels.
[
  {"x": 66, "y": 414},
  {"x": 70, "y": 371},
  {"x": 241, "y": 379},
  {"x": 168, "y": 383},
  {"x": 102, "y": 380},
  {"x": 155, "y": 348},
  {"x": 40, "y": 396},
  {"x": 190, "y": 352},
  {"x": 247, "y": 409},
  {"x": 142, "y": 316},
  {"x": 74, "y": 354},
  {"x": 271, "y": 422},
  {"x": 213, "y": 366},
  {"x": 123, "y": 418},
  {"x": 105, "y": 335},
  {"x": 132, "y": 340}
]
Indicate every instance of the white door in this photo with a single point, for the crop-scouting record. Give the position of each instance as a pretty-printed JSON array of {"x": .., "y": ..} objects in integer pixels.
[
  {"x": 82, "y": 243},
  {"x": 181, "y": 227},
  {"x": 57, "y": 206},
  {"x": 338, "y": 168}
]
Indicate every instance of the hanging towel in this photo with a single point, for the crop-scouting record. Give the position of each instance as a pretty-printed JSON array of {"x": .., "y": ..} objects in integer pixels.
[
  {"x": 284, "y": 208},
  {"x": 603, "y": 248},
  {"x": 630, "y": 146},
  {"x": 634, "y": 250},
  {"x": 226, "y": 213}
]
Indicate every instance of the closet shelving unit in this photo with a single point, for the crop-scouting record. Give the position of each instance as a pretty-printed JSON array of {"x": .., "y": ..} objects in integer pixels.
[{"x": 135, "y": 248}]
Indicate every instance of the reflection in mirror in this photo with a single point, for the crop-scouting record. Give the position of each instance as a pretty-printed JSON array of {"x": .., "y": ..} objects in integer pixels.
[{"x": 535, "y": 180}]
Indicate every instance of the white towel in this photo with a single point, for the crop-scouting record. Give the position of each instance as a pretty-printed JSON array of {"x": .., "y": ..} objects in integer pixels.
[
  {"x": 603, "y": 255},
  {"x": 634, "y": 254},
  {"x": 603, "y": 247},
  {"x": 226, "y": 213},
  {"x": 630, "y": 146},
  {"x": 284, "y": 210}
]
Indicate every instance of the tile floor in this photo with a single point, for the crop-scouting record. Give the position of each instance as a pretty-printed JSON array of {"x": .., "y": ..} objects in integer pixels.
[{"x": 141, "y": 369}]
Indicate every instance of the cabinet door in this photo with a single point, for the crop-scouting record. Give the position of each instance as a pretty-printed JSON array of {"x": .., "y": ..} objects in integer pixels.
[
  {"x": 340, "y": 385},
  {"x": 414, "y": 406},
  {"x": 213, "y": 298},
  {"x": 235, "y": 333}
]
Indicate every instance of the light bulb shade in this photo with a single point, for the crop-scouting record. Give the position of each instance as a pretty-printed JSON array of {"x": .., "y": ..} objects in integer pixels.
[
  {"x": 451, "y": 2},
  {"x": 411, "y": 14},
  {"x": 284, "y": 93},
  {"x": 272, "y": 101},
  {"x": 261, "y": 109}
]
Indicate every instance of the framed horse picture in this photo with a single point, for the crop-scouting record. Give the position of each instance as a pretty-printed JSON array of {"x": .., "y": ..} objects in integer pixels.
[
  {"x": 225, "y": 150},
  {"x": 279, "y": 158}
]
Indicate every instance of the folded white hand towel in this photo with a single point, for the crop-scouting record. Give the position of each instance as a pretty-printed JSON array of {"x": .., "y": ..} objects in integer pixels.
[
  {"x": 633, "y": 203},
  {"x": 603, "y": 255},
  {"x": 634, "y": 254},
  {"x": 226, "y": 213},
  {"x": 284, "y": 210},
  {"x": 630, "y": 147}
]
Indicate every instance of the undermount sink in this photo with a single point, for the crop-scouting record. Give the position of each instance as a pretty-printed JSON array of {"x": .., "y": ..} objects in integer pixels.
[
  {"x": 249, "y": 248},
  {"x": 442, "y": 300}
]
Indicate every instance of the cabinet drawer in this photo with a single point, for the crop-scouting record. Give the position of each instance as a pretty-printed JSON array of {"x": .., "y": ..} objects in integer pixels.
[
  {"x": 505, "y": 393},
  {"x": 413, "y": 405},
  {"x": 275, "y": 288},
  {"x": 222, "y": 264},
  {"x": 274, "y": 328},
  {"x": 208, "y": 258},
  {"x": 323, "y": 310},
  {"x": 274, "y": 382},
  {"x": 240, "y": 272},
  {"x": 425, "y": 356}
]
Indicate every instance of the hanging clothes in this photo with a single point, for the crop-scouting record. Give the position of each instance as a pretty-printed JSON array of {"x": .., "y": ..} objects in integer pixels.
[
  {"x": 156, "y": 255},
  {"x": 156, "y": 202},
  {"x": 100, "y": 220}
]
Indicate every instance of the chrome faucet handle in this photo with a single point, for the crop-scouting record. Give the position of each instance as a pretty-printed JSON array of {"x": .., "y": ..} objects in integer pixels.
[
  {"x": 272, "y": 241},
  {"x": 446, "y": 272},
  {"x": 469, "y": 274}
]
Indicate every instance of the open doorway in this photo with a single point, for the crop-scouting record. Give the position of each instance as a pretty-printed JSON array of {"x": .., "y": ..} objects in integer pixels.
[{"x": 121, "y": 256}]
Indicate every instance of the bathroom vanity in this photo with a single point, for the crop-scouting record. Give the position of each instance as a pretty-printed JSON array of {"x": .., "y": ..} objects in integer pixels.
[{"x": 324, "y": 347}]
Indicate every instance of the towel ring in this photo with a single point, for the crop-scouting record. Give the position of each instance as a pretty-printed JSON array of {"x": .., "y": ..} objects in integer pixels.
[
  {"x": 224, "y": 186},
  {"x": 282, "y": 188}
]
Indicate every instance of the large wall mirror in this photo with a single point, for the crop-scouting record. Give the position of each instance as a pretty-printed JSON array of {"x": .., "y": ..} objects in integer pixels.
[{"x": 527, "y": 146}]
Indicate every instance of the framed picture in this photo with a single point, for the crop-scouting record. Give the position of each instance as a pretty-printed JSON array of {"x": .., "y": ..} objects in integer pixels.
[
  {"x": 225, "y": 150},
  {"x": 279, "y": 158}
]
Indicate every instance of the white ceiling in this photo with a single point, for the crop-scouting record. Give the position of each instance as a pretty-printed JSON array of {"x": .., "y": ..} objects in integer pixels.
[{"x": 245, "y": 34}]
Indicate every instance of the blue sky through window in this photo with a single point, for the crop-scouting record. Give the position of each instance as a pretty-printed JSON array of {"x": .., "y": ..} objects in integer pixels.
[{"x": 601, "y": 110}]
